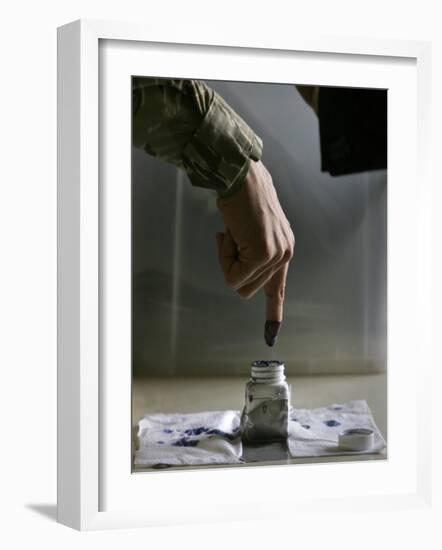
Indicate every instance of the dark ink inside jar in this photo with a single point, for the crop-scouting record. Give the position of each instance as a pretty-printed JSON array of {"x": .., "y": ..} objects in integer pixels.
[{"x": 267, "y": 401}]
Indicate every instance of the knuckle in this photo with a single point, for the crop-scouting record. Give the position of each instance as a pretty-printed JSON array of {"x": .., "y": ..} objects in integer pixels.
[
  {"x": 277, "y": 296},
  {"x": 281, "y": 295},
  {"x": 266, "y": 251},
  {"x": 246, "y": 294},
  {"x": 289, "y": 253},
  {"x": 285, "y": 253},
  {"x": 290, "y": 250},
  {"x": 286, "y": 256}
]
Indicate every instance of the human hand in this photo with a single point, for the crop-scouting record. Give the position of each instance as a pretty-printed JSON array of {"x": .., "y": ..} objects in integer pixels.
[{"x": 258, "y": 244}]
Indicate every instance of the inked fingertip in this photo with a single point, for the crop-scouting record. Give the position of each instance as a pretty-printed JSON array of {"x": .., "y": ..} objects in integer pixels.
[{"x": 271, "y": 330}]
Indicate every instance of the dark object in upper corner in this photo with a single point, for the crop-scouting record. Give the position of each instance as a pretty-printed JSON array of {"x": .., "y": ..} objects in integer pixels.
[{"x": 353, "y": 130}]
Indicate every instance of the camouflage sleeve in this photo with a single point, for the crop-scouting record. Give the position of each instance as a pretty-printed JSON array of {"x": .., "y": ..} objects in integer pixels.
[
  {"x": 187, "y": 123},
  {"x": 310, "y": 94}
]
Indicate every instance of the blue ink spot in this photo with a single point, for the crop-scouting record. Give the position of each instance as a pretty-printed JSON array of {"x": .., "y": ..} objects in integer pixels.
[
  {"x": 294, "y": 419},
  {"x": 167, "y": 431},
  {"x": 331, "y": 423},
  {"x": 160, "y": 442},
  {"x": 196, "y": 431},
  {"x": 337, "y": 408},
  {"x": 184, "y": 442},
  {"x": 306, "y": 426}
]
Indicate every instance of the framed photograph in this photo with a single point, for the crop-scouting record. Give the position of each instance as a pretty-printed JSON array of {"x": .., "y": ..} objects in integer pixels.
[{"x": 244, "y": 276}]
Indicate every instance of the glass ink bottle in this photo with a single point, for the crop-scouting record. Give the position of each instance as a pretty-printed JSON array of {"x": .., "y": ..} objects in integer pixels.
[{"x": 267, "y": 401}]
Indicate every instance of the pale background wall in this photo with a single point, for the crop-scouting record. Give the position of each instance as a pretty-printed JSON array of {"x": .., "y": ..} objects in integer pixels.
[
  {"x": 28, "y": 244},
  {"x": 187, "y": 322}
]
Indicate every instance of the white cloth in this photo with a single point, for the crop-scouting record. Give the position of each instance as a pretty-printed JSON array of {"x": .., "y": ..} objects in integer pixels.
[
  {"x": 186, "y": 439},
  {"x": 314, "y": 432},
  {"x": 214, "y": 437}
]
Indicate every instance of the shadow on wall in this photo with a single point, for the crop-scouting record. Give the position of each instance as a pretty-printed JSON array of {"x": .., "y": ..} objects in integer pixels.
[{"x": 185, "y": 320}]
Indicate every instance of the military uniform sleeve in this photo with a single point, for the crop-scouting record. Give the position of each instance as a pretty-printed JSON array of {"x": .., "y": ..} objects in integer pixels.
[{"x": 187, "y": 123}]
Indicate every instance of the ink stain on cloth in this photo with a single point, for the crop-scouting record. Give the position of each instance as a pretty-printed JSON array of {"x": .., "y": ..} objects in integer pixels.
[
  {"x": 212, "y": 431},
  {"x": 331, "y": 423},
  {"x": 196, "y": 431},
  {"x": 184, "y": 441}
]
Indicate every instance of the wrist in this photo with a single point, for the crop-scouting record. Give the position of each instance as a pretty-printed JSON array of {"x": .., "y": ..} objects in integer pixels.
[{"x": 239, "y": 182}]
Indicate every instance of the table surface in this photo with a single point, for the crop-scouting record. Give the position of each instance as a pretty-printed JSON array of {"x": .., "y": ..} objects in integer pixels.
[{"x": 165, "y": 395}]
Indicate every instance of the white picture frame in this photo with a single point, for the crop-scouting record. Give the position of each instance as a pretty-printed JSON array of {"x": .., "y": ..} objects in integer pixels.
[{"x": 82, "y": 468}]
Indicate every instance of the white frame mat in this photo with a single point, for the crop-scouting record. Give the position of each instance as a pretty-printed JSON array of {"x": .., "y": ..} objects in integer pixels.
[{"x": 96, "y": 489}]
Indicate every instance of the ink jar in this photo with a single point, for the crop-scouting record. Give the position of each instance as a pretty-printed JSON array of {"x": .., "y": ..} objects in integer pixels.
[{"x": 267, "y": 401}]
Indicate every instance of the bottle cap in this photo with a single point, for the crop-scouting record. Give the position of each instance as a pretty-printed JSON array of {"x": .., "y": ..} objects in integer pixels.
[{"x": 263, "y": 370}]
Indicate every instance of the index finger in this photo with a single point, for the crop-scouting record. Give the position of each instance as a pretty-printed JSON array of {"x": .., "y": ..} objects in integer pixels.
[{"x": 275, "y": 293}]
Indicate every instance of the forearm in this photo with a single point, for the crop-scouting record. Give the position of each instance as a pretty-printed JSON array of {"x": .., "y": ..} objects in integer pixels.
[{"x": 187, "y": 123}]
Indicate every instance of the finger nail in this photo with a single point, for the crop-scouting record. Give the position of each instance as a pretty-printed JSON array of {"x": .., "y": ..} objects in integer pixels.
[{"x": 271, "y": 331}]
